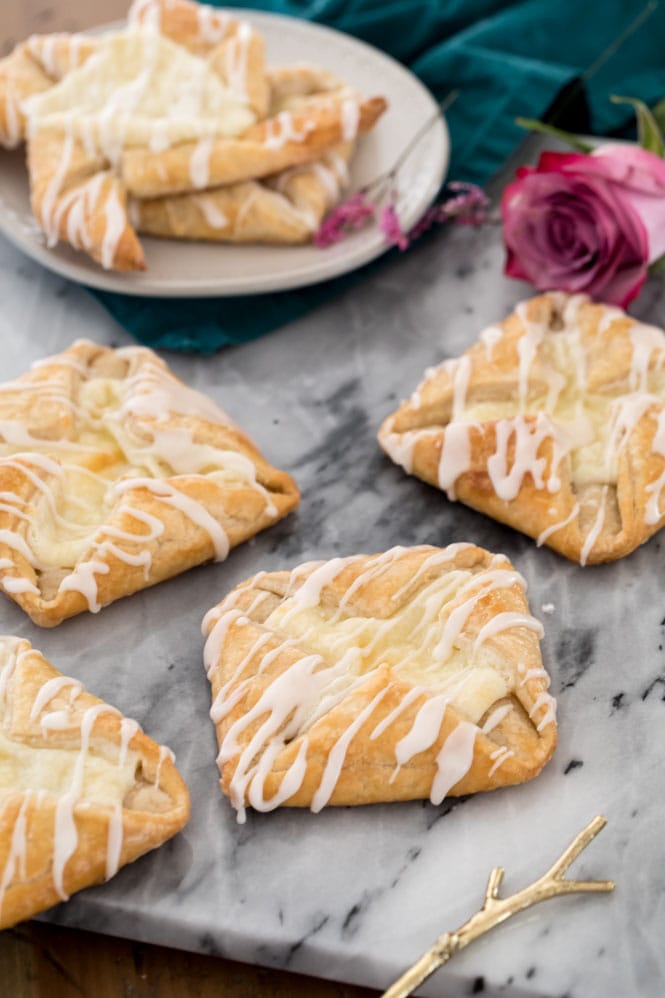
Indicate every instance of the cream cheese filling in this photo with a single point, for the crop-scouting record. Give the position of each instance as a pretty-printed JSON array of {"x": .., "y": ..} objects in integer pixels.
[
  {"x": 590, "y": 426},
  {"x": 26, "y": 767},
  {"x": 121, "y": 439},
  {"x": 139, "y": 88},
  {"x": 424, "y": 642}
]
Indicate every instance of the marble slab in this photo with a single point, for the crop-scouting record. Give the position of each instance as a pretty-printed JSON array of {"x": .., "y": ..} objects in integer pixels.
[{"x": 358, "y": 894}]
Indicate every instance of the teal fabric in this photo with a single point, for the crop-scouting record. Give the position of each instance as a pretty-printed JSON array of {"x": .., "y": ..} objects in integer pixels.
[{"x": 508, "y": 58}]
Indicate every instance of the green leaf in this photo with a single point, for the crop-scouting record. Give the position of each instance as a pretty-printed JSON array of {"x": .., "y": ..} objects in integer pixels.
[
  {"x": 658, "y": 266},
  {"x": 539, "y": 126},
  {"x": 658, "y": 111},
  {"x": 649, "y": 134}
]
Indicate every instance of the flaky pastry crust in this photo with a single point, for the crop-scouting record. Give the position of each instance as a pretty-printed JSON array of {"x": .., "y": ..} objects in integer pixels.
[
  {"x": 251, "y": 165},
  {"x": 411, "y": 674},
  {"x": 82, "y": 790},
  {"x": 114, "y": 476},
  {"x": 553, "y": 422}
]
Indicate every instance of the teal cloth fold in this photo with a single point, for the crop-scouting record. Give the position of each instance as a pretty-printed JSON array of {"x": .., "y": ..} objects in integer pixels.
[{"x": 507, "y": 59}]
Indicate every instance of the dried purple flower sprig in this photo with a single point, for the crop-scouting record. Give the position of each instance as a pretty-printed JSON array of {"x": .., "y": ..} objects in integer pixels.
[
  {"x": 465, "y": 204},
  {"x": 462, "y": 203}
]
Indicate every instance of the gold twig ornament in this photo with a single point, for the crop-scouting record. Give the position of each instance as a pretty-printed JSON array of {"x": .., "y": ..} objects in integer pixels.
[{"x": 496, "y": 910}]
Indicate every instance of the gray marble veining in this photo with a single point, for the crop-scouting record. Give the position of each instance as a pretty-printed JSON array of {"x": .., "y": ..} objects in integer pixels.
[{"x": 358, "y": 894}]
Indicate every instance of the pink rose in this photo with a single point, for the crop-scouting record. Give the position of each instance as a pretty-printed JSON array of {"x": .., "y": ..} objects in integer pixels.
[{"x": 591, "y": 223}]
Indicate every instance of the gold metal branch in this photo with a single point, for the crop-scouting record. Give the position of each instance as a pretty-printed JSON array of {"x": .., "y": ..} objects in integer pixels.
[{"x": 496, "y": 910}]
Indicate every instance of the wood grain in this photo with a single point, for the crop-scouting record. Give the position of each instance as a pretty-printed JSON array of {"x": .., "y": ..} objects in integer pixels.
[{"x": 44, "y": 960}]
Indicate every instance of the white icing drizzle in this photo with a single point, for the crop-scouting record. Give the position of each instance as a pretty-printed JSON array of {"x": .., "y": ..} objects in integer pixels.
[
  {"x": 529, "y": 435},
  {"x": 406, "y": 701},
  {"x": 146, "y": 392},
  {"x": 441, "y": 557},
  {"x": 147, "y": 13},
  {"x": 214, "y": 216},
  {"x": 500, "y": 755},
  {"x": 281, "y": 129},
  {"x": 303, "y": 692},
  {"x": 82, "y": 580},
  {"x": 490, "y": 338},
  {"x": 424, "y": 731},
  {"x": 192, "y": 509},
  {"x": 15, "y": 864},
  {"x": 655, "y": 488},
  {"x": 350, "y": 112},
  {"x": 498, "y": 715},
  {"x": 116, "y": 222},
  {"x": 337, "y": 755},
  {"x": 455, "y": 459},
  {"x": 128, "y": 728},
  {"x": 479, "y": 586},
  {"x": 548, "y": 531},
  {"x": 454, "y": 760},
  {"x": 504, "y": 621},
  {"x": 595, "y": 528},
  {"x": 20, "y": 585},
  {"x": 213, "y": 24},
  {"x": 646, "y": 340},
  {"x": 199, "y": 163},
  {"x": 11, "y": 135},
  {"x": 528, "y": 674},
  {"x": 65, "y": 837},
  {"x": 462, "y": 369},
  {"x": 558, "y": 414},
  {"x": 47, "y": 209},
  {"x": 74, "y": 799},
  {"x": 114, "y": 842},
  {"x": 309, "y": 593},
  {"x": 47, "y": 54},
  {"x": 50, "y": 690},
  {"x": 527, "y": 350},
  {"x": 547, "y": 701},
  {"x": 164, "y": 754},
  {"x": 401, "y": 446},
  {"x": 236, "y": 60}
]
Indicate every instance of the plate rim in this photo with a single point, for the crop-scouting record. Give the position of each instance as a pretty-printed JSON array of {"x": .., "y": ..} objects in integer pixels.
[{"x": 306, "y": 275}]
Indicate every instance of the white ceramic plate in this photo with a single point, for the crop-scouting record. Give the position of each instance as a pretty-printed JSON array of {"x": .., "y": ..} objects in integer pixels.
[{"x": 182, "y": 269}]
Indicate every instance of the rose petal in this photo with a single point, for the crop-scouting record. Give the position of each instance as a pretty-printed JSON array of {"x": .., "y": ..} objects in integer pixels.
[{"x": 574, "y": 231}]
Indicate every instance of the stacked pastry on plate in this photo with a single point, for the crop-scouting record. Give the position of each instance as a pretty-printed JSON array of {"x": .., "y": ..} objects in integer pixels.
[{"x": 175, "y": 126}]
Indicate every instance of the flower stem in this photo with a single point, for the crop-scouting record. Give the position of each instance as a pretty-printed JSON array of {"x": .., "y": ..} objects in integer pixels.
[{"x": 441, "y": 109}]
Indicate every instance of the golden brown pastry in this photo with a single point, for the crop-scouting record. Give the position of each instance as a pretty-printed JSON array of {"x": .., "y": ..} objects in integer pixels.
[
  {"x": 20, "y": 77},
  {"x": 89, "y": 207},
  {"x": 286, "y": 208},
  {"x": 61, "y": 53},
  {"x": 82, "y": 790},
  {"x": 554, "y": 423},
  {"x": 287, "y": 140},
  {"x": 178, "y": 110},
  {"x": 114, "y": 475},
  {"x": 411, "y": 674},
  {"x": 196, "y": 26}
]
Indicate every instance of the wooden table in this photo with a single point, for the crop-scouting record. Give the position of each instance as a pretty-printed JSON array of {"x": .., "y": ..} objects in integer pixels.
[{"x": 38, "y": 960}]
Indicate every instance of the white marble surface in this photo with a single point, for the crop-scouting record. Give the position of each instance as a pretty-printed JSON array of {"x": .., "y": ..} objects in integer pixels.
[{"x": 358, "y": 894}]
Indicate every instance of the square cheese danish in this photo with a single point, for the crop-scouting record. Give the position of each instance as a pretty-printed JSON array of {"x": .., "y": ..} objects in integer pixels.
[
  {"x": 410, "y": 674},
  {"x": 553, "y": 422},
  {"x": 114, "y": 475},
  {"x": 82, "y": 790}
]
